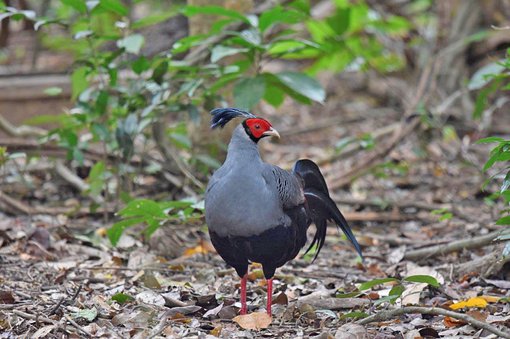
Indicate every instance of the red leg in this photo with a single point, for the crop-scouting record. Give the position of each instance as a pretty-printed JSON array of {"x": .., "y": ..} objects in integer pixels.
[
  {"x": 243, "y": 294},
  {"x": 269, "y": 295}
]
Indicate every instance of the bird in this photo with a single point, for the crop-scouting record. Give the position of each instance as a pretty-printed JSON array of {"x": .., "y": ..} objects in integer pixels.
[{"x": 259, "y": 212}]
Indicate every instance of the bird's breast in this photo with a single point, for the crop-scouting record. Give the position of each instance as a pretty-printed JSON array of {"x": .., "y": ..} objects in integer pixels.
[{"x": 242, "y": 205}]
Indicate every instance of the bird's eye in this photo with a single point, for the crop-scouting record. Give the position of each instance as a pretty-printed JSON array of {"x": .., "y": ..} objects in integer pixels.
[{"x": 257, "y": 126}]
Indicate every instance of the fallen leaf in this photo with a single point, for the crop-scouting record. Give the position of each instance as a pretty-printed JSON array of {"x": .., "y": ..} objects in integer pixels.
[
  {"x": 89, "y": 314},
  {"x": 151, "y": 298},
  {"x": 470, "y": 303},
  {"x": 452, "y": 322},
  {"x": 504, "y": 284},
  {"x": 281, "y": 299},
  {"x": 490, "y": 298},
  {"x": 6, "y": 297},
  {"x": 216, "y": 331},
  {"x": 43, "y": 332},
  {"x": 253, "y": 321},
  {"x": 428, "y": 332},
  {"x": 351, "y": 331},
  {"x": 411, "y": 295},
  {"x": 213, "y": 312},
  {"x": 203, "y": 247},
  {"x": 477, "y": 315}
]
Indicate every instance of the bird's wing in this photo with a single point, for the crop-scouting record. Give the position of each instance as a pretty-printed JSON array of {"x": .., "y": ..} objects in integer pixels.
[
  {"x": 321, "y": 207},
  {"x": 288, "y": 187}
]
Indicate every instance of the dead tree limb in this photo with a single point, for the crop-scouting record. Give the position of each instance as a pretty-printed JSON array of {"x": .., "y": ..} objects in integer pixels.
[{"x": 458, "y": 245}]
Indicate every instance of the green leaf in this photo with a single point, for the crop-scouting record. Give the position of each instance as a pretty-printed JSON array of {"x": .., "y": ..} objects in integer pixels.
[
  {"x": 53, "y": 91},
  {"x": 277, "y": 15},
  {"x": 78, "y": 5},
  {"x": 122, "y": 298},
  {"x": 389, "y": 298},
  {"x": 96, "y": 178},
  {"x": 79, "y": 81},
  {"x": 427, "y": 279},
  {"x": 114, "y": 6},
  {"x": 140, "y": 65},
  {"x": 142, "y": 207},
  {"x": 355, "y": 315},
  {"x": 249, "y": 91},
  {"x": 132, "y": 43},
  {"x": 213, "y": 10},
  {"x": 372, "y": 283},
  {"x": 219, "y": 51},
  {"x": 347, "y": 295},
  {"x": 115, "y": 232},
  {"x": 303, "y": 84},
  {"x": 159, "y": 72},
  {"x": 485, "y": 74},
  {"x": 275, "y": 96},
  {"x": 397, "y": 290},
  {"x": 503, "y": 221},
  {"x": 152, "y": 19},
  {"x": 489, "y": 140}
]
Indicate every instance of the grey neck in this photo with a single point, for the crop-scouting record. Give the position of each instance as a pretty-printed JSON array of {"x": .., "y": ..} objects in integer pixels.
[{"x": 242, "y": 149}]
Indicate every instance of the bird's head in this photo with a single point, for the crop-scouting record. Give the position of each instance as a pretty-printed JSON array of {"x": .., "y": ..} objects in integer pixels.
[{"x": 255, "y": 127}]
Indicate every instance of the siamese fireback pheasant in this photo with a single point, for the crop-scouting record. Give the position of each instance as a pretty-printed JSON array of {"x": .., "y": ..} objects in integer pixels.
[{"x": 258, "y": 212}]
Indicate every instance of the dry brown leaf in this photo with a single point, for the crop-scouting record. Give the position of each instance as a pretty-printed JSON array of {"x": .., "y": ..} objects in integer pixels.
[
  {"x": 253, "y": 321},
  {"x": 452, "y": 322},
  {"x": 477, "y": 314},
  {"x": 470, "y": 303},
  {"x": 281, "y": 299}
]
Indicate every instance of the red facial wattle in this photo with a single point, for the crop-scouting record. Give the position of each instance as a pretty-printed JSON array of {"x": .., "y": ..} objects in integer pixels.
[{"x": 258, "y": 127}]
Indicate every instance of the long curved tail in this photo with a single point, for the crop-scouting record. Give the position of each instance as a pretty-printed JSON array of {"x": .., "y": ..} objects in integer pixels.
[{"x": 322, "y": 208}]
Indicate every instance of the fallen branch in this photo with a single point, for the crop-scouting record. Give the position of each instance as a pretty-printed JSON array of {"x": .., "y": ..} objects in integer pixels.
[
  {"x": 20, "y": 131},
  {"x": 388, "y": 315},
  {"x": 475, "y": 242}
]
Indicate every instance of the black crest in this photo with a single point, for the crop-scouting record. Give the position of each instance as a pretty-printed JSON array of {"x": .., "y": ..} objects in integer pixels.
[{"x": 221, "y": 116}]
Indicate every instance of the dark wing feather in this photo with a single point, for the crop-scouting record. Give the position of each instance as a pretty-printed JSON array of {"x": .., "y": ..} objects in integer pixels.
[
  {"x": 221, "y": 116},
  {"x": 321, "y": 207}
]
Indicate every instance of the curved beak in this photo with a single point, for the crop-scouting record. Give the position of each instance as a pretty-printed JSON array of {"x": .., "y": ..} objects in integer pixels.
[{"x": 271, "y": 132}]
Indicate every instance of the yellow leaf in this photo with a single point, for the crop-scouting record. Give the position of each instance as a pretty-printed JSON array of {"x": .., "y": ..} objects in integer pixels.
[
  {"x": 253, "y": 321},
  {"x": 490, "y": 298},
  {"x": 470, "y": 303},
  {"x": 203, "y": 247}
]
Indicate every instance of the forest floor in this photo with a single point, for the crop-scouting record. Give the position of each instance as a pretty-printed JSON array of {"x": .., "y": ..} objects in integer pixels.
[{"x": 60, "y": 275}]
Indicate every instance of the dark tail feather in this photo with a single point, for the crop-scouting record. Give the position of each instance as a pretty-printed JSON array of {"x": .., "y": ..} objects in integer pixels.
[
  {"x": 221, "y": 116},
  {"x": 322, "y": 208},
  {"x": 311, "y": 174}
]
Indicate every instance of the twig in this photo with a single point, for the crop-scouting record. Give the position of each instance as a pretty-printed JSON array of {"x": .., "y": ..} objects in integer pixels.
[
  {"x": 78, "y": 327},
  {"x": 34, "y": 317},
  {"x": 387, "y": 315},
  {"x": 458, "y": 245}
]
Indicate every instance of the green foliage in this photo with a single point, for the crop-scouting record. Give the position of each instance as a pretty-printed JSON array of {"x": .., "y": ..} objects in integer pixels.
[
  {"x": 152, "y": 214},
  {"x": 500, "y": 154},
  {"x": 396, "y": 291}
]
